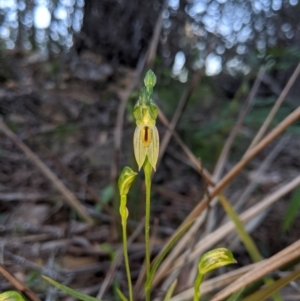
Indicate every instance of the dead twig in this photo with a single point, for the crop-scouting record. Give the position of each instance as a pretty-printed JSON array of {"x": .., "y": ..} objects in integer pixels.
[
  {"x": 260, "y": 171},
  {"x": 169, "y": 260},
  {"x": 281, "y": 258},
  {"x": 20, "y": 286},
  {"x": 154, "y": 40},
  {"x": 248, "y": 104},
  {"x": 215, "y": 283},
  {"x": 295, "y": 115},
  {"x": 58, "y": 184},
  {"x": 195, "y": 162},
  {"x": 31, "y": 265},
  {"x": 68, "y": 172},
  {"x": 222, "y": 232},
  {"x": 291, "y": 118},
  {"x": 275, "y": 108},
  {"x": 192, "y": 85}
]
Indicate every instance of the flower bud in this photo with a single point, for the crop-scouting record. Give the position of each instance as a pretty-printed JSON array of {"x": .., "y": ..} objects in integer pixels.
[
  {"x": 150, "y": 79},
  {"x": 126, "y": 178}
]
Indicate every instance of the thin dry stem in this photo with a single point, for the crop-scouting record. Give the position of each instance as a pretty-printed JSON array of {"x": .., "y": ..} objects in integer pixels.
[
  {"x": 248, "y": 104},
  {"x": 275, "y": 108},
  {"x": 283, "y": 257},
  {"x": 260, "y": 171},
  {"x": 169, "y": 260},
  {"x": 195, "y": 162},
  {"x": 65, "y": 169},
  {"x": 213, "y": 284},
  {"x": 211, "y": 220},
  {"x": 222, "y": 232},
  {"x": 193, "y": 83},
  {"x": 295, "y": 115},
  {"x": 154, "y": 40},
  {"x": 228, "y": 178},
  {"x": 57, "y": 183},
  {"x": 20, "y": 286}
]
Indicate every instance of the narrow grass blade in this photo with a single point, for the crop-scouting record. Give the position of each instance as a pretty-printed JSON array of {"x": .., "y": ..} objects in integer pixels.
[
  {"x": 236, "y": 296},
  {"x": 121, "y": 295},
  {"x": 292, "y": 210},
  {"x": 243, "y": 234},
  {"x": 245, "y": 238},
  {"x": 70, "y": 291},
  {"x": 268, "y": 291},
  {"x": 164, "y": 253},
  {"x": 170, "y": 291}
]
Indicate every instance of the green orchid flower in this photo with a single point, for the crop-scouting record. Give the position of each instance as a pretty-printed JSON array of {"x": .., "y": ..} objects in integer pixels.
[
  {"x": 146, "y": 139},
  {"x": 126, "y": 178}
]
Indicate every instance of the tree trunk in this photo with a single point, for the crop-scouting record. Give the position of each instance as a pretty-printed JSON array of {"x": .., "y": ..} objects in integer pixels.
[{"x": 120, "y": 30}]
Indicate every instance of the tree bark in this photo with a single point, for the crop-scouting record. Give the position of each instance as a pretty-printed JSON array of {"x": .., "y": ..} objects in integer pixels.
[{"x": 120, "y": 30}]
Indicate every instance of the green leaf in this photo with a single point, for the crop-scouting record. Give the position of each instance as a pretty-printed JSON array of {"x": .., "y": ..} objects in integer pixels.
[
  {"x": 107, "y": 193},
  {"x": 236, "y": 296},
  {"x": 70, "y": 291},
  {"x": 170, "y": 291},
  {"x": 240, "y": 229},
  {"x": 11, "y": 296},
  {"x": 121, "y": 295},
  {"x": 269, "y": 290},
  {"x": 210, "y": 261},
  {"x": 245, "y": 238},
  {"x": 214, "y": 259},
  {"x": 292, "y": 210},
  {"x": 164, "y": 253}
]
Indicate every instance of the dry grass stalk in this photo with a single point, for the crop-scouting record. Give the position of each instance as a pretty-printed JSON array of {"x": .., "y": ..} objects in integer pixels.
[
  {"x": 192, "y": 85},
  {"x": 222, "y": 232},
  {"x": 248, "y": 104},
  {"x": 215, "y": 283},
  {"x": 20, "y": 286},
  {"x": 295, "y": 115},
  {"x": 260, "y": 171},
  {"x": 195, "y": 162},
  {"x": 57, "y": 183},
  {"x": 211, "y": 220},
  {"x": 275, "y": 108},
  {"x": 281, "y": 258}
]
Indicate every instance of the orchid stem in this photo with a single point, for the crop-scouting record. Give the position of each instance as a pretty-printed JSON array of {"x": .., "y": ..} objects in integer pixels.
[
  {"x": 123, "y": 211},
  {"x": 147, "y": 170}
]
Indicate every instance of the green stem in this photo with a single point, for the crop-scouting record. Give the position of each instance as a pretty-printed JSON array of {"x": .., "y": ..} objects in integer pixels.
[
  {"x": 147, "y": 170},
  {"x": 197, "y": 292},
  {"x": 124, "y": 214}
]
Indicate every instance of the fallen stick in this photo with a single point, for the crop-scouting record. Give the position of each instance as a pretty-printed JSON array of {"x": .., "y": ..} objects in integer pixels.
[{"x": 58, "y": 184}]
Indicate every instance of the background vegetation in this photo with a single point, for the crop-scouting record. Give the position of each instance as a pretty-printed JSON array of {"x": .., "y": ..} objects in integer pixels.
[{"x": 70, "y": 74}]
